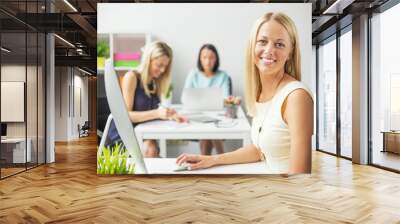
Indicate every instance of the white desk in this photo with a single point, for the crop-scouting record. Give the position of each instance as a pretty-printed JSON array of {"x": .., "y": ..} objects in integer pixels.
[
  {"x": 19, "y": 150},
  {"x": 168, "y": 165},
  {"x": 164, "y": 130}
]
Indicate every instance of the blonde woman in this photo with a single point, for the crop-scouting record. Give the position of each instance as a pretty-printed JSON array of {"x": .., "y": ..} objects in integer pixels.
[
  {"x": 281, "y": 106},
  {"x": 142, "y": 89}
]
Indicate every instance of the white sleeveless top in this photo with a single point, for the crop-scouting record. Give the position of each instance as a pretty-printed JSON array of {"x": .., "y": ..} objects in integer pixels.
[{"x": 270, "y": 133}]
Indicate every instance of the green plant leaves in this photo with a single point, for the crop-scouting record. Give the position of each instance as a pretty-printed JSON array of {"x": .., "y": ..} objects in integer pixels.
[
  {"x": 103, "y": 49},
  {"x": 169, "y": 91},
  {"x": 114, "y": 161}
]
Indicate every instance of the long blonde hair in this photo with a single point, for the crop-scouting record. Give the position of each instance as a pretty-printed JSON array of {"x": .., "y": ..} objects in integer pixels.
[
  {"x": 152, "y": 51},
  {"x": 292, "y": 66}
]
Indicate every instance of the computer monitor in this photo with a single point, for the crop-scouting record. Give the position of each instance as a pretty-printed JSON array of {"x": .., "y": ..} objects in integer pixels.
[
  {"x": 121, "y": 117},
  {"x": 3, "y": 129}
]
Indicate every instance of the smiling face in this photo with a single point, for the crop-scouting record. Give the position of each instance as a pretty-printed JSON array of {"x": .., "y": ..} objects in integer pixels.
[
  {"x": 272, "y": 48},
  {"x": 208, "y": 59},
  {"x": 158, "y": 66}
]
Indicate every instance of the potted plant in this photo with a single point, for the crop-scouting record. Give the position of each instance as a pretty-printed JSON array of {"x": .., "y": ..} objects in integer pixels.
[
  {"x": 114, "y": 161},
  {"x": 231, "y": 106},
  {"x": 103, "y": 52},
  {"x": 166, "y": 99}
]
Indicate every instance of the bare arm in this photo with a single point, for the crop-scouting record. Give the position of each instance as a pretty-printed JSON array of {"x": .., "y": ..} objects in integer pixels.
[
  {"x": 129, "y": 84},
  {"x": 298, "y": 114},
  {"x": 246, "y": 154}
]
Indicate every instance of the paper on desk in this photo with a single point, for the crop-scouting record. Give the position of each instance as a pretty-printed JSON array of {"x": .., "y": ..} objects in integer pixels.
[
  {"x": 190, "y": 113},
  {"x": 164, "y": 124}
]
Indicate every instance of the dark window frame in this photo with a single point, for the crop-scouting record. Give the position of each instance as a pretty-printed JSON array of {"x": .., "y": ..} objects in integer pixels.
[{"x": 334, "y": 37}]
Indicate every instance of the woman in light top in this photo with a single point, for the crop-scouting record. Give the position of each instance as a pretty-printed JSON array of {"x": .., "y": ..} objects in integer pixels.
[
  {"x": 281, "y": 106},
  {"x": 142, "y": 89},
  {"x": 207, "y": 74}
]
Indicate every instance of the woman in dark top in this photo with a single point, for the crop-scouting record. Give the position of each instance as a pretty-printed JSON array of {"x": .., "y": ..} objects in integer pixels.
[{"x": 142, "y": 89}]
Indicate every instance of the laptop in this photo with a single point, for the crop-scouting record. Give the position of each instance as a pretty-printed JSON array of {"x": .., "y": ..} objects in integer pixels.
[
  {"x": 199, "y": 100},
  {"x": 202, "y": 99},
  {"x": 202, "y": 118}
]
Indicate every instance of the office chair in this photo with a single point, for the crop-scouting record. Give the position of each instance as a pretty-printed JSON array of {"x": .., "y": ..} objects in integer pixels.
[{"x": 84, "y": 129}]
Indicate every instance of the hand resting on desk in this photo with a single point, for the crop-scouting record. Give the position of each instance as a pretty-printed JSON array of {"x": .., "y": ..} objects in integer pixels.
[
  {"x": 180, "y": 119},
  {"x": 196, "y": 161}
]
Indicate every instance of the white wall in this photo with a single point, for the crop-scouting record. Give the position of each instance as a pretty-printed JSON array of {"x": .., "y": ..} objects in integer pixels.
[
  {"x": 16, "y": 73},
  {"x": 61, "y": 103},
  {"x": 185, "y": 27},
  {"x": 33, "y": 126},
  {"x": 67, "y": 120}
]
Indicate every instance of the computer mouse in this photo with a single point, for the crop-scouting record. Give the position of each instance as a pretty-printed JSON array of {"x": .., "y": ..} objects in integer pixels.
[{"x": 182, "y": 167}]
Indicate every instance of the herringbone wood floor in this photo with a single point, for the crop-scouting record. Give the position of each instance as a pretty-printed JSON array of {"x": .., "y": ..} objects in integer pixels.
[{"x": 69, "y": 191}]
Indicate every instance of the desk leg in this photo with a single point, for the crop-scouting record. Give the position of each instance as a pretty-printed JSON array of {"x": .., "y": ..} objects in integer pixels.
[
  {"x": 163, "y": 148},
  {"x": 140, "y": 142}
]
